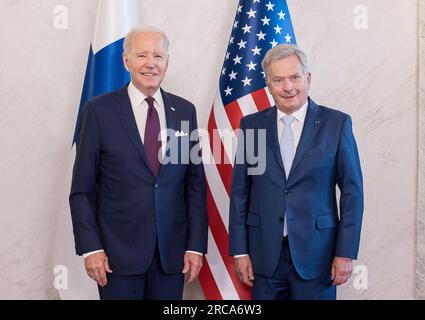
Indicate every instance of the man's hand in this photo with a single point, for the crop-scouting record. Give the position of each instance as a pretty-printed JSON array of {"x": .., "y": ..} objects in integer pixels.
[
  {"x": 243, "y": 269},
  {"x": 96, "y": 266},
  {"x": 341, "y": 270},
  {"x": 192, "y": 264}
]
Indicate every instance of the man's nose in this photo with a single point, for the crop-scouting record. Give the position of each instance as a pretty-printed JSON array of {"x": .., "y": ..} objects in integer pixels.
[
  {"x": 287, "y": 85},
  {"x": 150, "y": 62}
]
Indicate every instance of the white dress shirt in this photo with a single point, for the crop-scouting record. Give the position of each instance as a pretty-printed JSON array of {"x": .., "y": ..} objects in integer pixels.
[
  {"x": 140, "y": 111},
  {"x": 297, "y": 129},
  {"x": 297, "y": 124}
]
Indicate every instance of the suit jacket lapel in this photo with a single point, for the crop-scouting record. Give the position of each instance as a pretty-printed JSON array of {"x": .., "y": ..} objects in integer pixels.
[
  {"x": 170, "y": 111},
  {"x": 125, "y": 114},
  {"x": 170, "y": 116},
  {"x": 312, "y": 124},
  {"x": 272, "y": 138}
]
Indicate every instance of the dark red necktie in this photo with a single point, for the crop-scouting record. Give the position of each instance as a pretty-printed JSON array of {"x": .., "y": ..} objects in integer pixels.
[{"x": 152, "y": 141}]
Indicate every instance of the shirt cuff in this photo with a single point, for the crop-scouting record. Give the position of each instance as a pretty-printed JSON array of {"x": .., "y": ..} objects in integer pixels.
[
  {"x": 240, "y": 255},
  {"x": 196, "y": 252},
  {"x": 85, "y": 255}
]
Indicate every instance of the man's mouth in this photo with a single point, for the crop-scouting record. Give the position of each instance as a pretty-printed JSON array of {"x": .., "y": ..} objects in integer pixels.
[{"x": 148, "y": 74}]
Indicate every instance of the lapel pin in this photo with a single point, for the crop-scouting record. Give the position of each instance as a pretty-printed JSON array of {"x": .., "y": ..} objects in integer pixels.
[{"x": 172, "y": 109}]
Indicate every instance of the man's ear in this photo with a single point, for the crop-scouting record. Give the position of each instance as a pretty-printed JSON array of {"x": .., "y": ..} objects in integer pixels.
[
  {"x": 309, "y": 79},
  {"x": 124, "y": 60},
  {"x": 168, "y": 60},
  {"x": 268, "y": 84}
]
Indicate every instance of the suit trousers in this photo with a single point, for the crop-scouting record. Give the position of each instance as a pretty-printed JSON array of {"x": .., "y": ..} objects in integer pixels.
[
  {"x": 286, "y": 284},
  {"x": 154, "y": 284}
]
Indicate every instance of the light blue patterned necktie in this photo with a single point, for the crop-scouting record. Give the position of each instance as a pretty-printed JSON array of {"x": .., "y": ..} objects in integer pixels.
[
  {"x": 287, "y": 144},
  {"x": 287, "y": 153}
]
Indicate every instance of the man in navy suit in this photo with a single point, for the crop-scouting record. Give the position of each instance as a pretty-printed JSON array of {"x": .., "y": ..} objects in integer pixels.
[
  {"x": 139, "y": 221},
  {"x": 286, "y": 236}
]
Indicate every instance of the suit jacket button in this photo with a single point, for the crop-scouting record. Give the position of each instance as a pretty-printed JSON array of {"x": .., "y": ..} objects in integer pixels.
[
  {"x": 156, "y": 186},
  {"x": 286, "y": 192}
]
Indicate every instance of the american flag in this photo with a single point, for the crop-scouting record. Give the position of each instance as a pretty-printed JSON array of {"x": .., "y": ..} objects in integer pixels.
[{"x": 259, "y": 25}]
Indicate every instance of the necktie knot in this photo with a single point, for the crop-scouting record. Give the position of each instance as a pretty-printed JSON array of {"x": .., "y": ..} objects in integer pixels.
[
  {"x": 287, "y": 120},
  {"x": 150, "y": 101}
]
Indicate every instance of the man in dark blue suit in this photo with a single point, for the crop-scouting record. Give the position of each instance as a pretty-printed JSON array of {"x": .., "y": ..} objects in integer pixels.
[
  {"x": 286, "y": 236},
  {"x": 139, "y": 220}
]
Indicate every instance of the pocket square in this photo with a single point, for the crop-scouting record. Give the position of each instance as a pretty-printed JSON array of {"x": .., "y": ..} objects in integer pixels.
[{"x": 181, "y": 134}]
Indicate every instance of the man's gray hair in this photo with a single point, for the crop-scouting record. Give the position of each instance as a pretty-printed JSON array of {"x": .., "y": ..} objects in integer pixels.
[
  {"x": 144, "y": 29},
  {"x": 284, "y": 51}
]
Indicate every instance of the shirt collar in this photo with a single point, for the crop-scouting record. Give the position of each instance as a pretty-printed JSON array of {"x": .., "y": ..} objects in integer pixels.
[
  {"x": 299, "y": 114},
  {"x": 137, "y": 97}
]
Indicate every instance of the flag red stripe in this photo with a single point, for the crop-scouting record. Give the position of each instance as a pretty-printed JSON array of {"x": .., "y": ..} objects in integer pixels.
[
  {"x": 234, "y": 114},
  {"x": 261, "y": 99},
  {"x": 223, "y": 164},
  {"x": 222, "y": 240},
  {"x": 208, "y": 283}
]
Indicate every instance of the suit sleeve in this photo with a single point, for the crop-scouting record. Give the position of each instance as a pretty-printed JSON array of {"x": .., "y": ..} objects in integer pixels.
[
  {"x": 350, "y": 182},
  {"x": 239, "y": 199},
  {"x": 196, "y": 199},
  {"x": 82, "y": 198}
]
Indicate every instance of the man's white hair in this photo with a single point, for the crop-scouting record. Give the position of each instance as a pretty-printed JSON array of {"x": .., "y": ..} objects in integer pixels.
[
  {"x": 284, "y": 51},
  {"x": 144, "y": 29}
]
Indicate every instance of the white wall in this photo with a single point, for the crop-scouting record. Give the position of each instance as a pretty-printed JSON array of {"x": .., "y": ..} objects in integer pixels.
[{"x": 371, "y": 74}]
